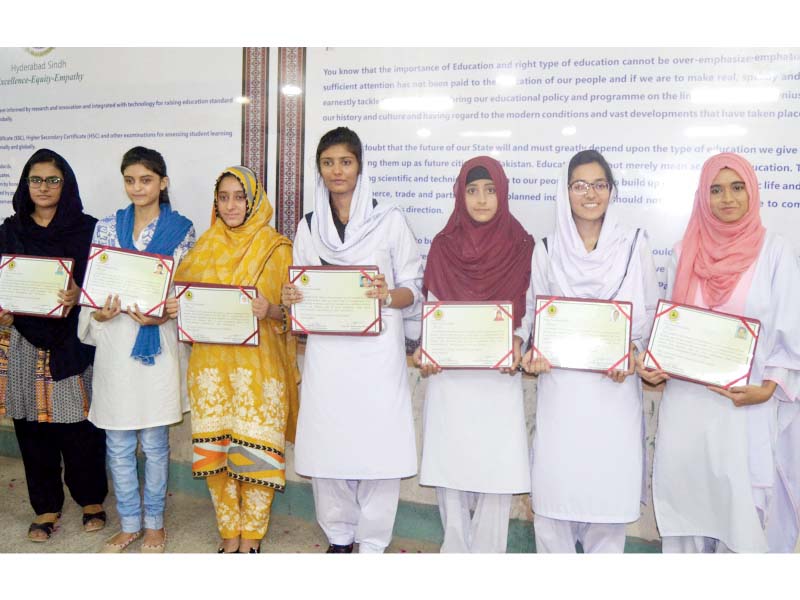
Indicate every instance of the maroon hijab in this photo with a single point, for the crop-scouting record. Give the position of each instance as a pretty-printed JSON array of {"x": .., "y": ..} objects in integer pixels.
[{"x": 481, "y": 262}]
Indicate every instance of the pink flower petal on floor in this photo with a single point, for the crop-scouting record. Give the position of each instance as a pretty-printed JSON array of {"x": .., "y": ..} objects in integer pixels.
[{"x": 402, "y": 551}]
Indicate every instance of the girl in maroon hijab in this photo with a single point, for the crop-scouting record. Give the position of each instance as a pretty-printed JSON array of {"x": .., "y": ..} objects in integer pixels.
[{"x": 475, "y": 443}]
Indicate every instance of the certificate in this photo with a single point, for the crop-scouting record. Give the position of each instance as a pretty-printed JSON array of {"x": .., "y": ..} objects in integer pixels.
[
  {"x": 29, "y": 285},
  {"x": 467, "y": 335},
  {"x": 335, "y": 301},
  {"x": 587, "y": 335},
  {"x": 137, "y": 278},
  {"x": 701, "y": 345},
  {"x": 216, "y": 314}
]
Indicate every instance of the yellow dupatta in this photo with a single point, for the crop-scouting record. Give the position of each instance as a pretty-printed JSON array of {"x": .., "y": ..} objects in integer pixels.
[{"x": 240, "y": 256}]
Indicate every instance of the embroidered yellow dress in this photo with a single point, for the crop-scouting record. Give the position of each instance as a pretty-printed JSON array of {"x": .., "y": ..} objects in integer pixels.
[{"x": 243, "y": 399}]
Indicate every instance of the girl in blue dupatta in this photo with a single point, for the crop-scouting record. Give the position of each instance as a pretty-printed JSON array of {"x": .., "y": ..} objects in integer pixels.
[{"x": 137, "y": 377}]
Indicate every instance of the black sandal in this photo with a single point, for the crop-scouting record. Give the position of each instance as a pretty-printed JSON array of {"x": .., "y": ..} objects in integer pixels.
[
  {"x": 98, "y": 516},
  {"x": 339, "y": 549},
  {"x": 48, "y": 527}
]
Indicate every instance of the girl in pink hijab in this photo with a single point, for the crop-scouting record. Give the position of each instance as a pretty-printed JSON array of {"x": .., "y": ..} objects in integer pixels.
[{"x": 727, "y": 460}]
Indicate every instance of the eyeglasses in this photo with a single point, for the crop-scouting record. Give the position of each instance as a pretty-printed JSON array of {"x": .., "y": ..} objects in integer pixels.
[
  {"x": 582, "y": 187},
  {"x": 52, "y": 182}
]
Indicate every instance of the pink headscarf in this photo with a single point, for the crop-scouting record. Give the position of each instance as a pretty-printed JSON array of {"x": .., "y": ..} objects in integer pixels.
[{"x": 715, "y": 254}]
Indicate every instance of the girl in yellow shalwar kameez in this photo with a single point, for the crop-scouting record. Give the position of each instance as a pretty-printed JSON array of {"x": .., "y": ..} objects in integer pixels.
[{"x": 243, "y": 399}]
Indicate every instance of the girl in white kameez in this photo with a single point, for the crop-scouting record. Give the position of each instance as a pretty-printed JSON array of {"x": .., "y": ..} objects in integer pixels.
[
  {"x": 355, "y": 432},
  {"x": 588, "y": 448},
  {"x": 475, "y": 443},
  {"x": 724, "y": 477}
]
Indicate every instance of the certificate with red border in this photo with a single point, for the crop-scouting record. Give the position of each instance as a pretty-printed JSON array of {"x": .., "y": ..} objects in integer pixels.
[
  {"x": 334, "y": 300},
  {"x": 139, "y": 278},
  {"x": 582, "y": 334},
  {"x": 468, "y": 335},
  {"x": 29, "y": 285},
  {"x": 701, "y": 345},
  {"x": 216, "y": 314}
]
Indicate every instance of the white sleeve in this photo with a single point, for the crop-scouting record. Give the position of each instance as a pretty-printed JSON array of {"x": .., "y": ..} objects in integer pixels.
[
  {"x": 650, "y": 295},
  {"x": 782, "y": 363},
  {"x": 406, "y": 260},
  {"x": 303, "y": 247},
  {"x": 540, "y": 263}
]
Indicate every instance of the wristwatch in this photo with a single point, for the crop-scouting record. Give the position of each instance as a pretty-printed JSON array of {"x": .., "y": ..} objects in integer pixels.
[{"x": 388, "y": 302}]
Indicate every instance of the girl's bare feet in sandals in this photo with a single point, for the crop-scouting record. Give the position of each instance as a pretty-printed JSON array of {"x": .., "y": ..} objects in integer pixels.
[
  {"x": 154, "y": 541},
  {"x": 43, "y": 526},
  {"x": 94, "y": 517},
  {"x": 119, "y": 542},
  {"x": 228, "y": 546}
]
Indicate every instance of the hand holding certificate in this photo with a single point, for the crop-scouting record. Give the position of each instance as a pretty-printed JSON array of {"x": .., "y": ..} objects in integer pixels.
[
  {"x": 467, "y": 335},
  {"x": 216, "y": 314},
  {"x": 586, "y": 335},
  {"x": 701, "y": 345},
  {"x": 30, "y": 285},
  {"x": 334, "y": 300},
  {"x": 137, "y": 278}
]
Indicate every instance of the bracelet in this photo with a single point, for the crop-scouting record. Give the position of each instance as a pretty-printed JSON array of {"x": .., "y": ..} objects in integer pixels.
[
  {"x": 284, "y": 318},
  {"x": 388, "y": 302}
]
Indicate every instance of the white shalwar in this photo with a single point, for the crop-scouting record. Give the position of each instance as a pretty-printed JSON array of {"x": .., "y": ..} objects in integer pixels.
[
  {"x": 475, "y": 451},
  {"x": 724, "y": 472},
  {"x": 588, "y": 447},
  {"x": 127, "y": 394},
  {"x": 355, "y": 420}
]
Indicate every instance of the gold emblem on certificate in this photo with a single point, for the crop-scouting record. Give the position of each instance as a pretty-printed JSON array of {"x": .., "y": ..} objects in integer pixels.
[
  {"x": 467, "y": 335},
  {"x": 29, "y": 285},
  {"x": 335, "y": 301},
  {"x": 137, "y": 278},
  {"x": 701, "y": 345},
  {"x": 216, "y": 314},
  {"x": 581, "y": 334}
]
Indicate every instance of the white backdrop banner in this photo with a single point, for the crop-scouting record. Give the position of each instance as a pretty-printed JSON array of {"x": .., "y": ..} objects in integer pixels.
[
  {"x": 92, "y": 104},
  {"x": 655, "y": 114}
]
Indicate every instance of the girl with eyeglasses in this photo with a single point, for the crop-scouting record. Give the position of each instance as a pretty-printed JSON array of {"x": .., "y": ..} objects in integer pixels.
[
  {"x": 137, "y": 380},
  {"x": 45, "y": 371},
  {"x": 587, "y": 463}
]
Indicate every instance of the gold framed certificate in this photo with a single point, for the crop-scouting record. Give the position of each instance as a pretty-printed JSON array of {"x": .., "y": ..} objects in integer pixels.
[
  {"x": 702, "y": 346},
  {"x": 139, "y": 278},
  {"x": 582, "y": 334},
  {"x": 335, "y": 301},
  {"x": 468, "y": 335},
  {"x": 29, "y": 285},
  {"x": 216, "y": 314}
]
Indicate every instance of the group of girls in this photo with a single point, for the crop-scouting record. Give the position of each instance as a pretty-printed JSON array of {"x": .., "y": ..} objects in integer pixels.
[{"x": 727, "y": 461}]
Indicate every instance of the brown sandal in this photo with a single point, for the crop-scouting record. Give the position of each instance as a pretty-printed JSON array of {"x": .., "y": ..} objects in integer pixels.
[
  {"x": 47, "y": 527},
  {"x": 99, "y": 519},
  {"x": 111, "y": 548}
]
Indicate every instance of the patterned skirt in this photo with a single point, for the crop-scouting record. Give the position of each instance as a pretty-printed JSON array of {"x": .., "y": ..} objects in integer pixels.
[{"x": 27, "y": 390}]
